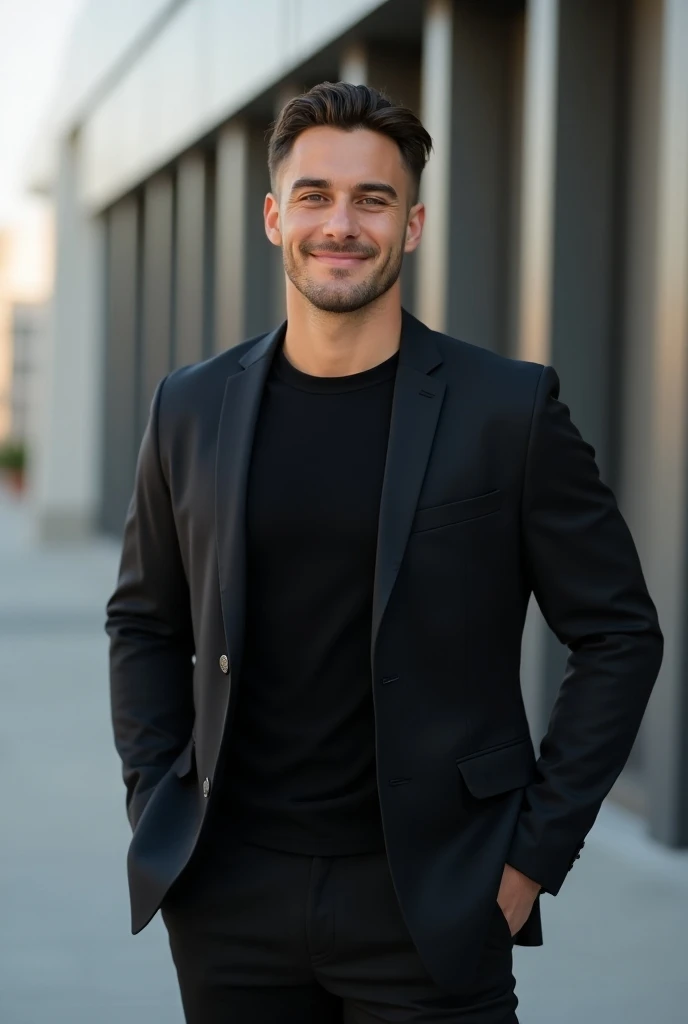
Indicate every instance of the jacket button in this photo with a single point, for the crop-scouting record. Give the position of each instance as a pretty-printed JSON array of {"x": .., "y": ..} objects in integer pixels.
[
  {"x": 224, "y": 664},
  {"x": 206, "y": 787}
]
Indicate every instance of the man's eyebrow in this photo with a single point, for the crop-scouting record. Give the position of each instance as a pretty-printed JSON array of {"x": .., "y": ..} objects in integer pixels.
[
  {"x": 362, "y": 186},
  {"x": 376, "y": 186},
  {"x": 311, "y": 183}
]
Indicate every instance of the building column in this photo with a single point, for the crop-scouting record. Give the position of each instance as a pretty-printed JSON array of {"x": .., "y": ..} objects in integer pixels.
[
  {"x": 633, "y": 369},
  {"x": 287, "y": 91},
  {"x": 666, "y": 750},
  {"x": 395, "y": 70},
  {"x": 230, "y": 206},
  {"x": 436, "y": 110},
  {"x": 353, "y": 64},
  {"x": 486, "y": 110},
  {"x": 191, "y": 251},
  {"x": 585, "y": 322},
  {"x": 65, "y": 480},
  {"x": 122, "y": 377},
  {"x": 157, "y": 283},
  {"x": 537, "y": 179},
  {"x": 244, "y": 265}
]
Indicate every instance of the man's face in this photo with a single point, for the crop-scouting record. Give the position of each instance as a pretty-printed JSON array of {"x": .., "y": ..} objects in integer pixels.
[{"x": 343, "y": 216}]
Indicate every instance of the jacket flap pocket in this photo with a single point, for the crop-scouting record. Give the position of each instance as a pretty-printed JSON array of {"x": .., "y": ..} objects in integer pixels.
[
  {"x": 185, "y": 761},
  {"x": 489, "y": 772},
  {"x": 456, "y": 511}
]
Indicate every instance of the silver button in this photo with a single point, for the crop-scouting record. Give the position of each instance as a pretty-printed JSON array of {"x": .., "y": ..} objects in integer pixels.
[
  {"x": 206, "y": 787},
  {"x": 224, "y": 664}
]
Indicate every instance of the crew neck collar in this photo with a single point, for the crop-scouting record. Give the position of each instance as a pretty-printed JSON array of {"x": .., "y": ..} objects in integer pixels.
[{"x": 295, "y": 378}]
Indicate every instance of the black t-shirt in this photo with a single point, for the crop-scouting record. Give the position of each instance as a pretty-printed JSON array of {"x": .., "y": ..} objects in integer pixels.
[{"x": 300, "y": 768}]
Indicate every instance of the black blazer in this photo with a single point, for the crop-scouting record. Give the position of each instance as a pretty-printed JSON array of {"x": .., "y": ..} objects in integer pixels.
[{"x": 489, "y": 493}]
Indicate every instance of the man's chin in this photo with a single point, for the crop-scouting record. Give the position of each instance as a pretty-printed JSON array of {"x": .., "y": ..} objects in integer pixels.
[
  {"x": 342, "y": 295},
  {"x": 332, "y": 301}
]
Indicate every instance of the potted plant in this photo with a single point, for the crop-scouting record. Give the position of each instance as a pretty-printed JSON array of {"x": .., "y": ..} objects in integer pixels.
[{"x": 13, "y": 464}]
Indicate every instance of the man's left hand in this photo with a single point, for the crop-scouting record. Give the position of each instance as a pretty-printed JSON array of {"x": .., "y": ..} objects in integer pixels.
[{"x": 516, "y": 896}]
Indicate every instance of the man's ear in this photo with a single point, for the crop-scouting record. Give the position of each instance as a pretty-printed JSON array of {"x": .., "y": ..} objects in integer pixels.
[
  {"x": 414, "y": 227},
  {"x": 271, "y": 216}
]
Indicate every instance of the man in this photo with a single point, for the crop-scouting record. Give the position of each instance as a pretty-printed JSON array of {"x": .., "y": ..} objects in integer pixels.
[{"x": 315, "y": 636}]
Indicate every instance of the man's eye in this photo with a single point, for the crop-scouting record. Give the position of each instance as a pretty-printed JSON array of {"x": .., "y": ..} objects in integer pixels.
[
  {"x": 373, "y": 200},
  {"x": 314, "y": 195}
]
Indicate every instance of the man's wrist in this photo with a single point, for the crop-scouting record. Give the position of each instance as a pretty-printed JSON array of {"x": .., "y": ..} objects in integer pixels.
[{"x": 535, "y": 886}]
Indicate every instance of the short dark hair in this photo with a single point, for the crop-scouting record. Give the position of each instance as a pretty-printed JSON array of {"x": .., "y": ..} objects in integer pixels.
[{"x": 349, "y": 107}]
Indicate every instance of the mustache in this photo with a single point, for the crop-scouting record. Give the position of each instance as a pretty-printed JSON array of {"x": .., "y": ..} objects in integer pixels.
[{"x": 342, "y": 250}]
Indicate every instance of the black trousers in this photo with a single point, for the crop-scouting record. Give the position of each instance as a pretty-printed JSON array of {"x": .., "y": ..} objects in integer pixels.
[{"x": 259, "y": 936}]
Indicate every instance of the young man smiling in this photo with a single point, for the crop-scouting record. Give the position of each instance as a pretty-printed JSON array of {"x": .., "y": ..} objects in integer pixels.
[{"x": 316, "y": 632}]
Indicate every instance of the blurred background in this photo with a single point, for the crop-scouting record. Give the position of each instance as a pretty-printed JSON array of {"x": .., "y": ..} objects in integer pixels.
[{"x": 132, "y": 175}]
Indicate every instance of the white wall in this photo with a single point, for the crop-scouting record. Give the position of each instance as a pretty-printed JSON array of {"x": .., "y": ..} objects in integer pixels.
[
  {"x": 208, "y": 60},
  {"x": 104, "y": 34}
]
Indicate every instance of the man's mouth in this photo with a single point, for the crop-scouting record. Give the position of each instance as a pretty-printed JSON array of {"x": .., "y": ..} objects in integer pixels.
[{"x": 339, "y": 259}]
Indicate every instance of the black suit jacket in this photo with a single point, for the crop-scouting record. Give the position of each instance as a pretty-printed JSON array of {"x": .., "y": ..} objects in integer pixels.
[{"x": 489, "y": 494}]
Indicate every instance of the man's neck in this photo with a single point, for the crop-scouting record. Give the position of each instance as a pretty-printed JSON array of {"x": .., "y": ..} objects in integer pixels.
[{"x": 339, "y": 344}]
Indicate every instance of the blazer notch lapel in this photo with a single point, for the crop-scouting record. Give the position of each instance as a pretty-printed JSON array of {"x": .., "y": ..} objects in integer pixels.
[{"x": 415, "y": 412}]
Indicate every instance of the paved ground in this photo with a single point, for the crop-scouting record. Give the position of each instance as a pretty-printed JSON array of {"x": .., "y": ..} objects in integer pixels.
[{"x": 615, "y": 948}]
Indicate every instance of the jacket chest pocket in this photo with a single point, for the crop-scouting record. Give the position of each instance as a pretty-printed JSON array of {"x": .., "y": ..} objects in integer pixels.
[{"x": 456, "y": 511}]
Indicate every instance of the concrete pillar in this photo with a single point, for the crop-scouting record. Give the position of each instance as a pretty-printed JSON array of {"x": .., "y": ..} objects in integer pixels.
[
  {"x": 397, "y": 71},
  {"x": 122, "y": 377},
  {"x": 191, "y": 270},
  {"x": 66, "y": 476},
  {"x": 584, "y": 309},
  {"x": 353, "y": 65},
  {"x": 436, "y": 108},
  {"x": 640, "y": 215},
  {"x": 230, "y": 264},
  {"x": 537, "y": 179},
  {"x": 263, "y": 262},
  {"x": 633, "y": 368},
  {"x": 245, "y": 266},
  {"x": 667, "y": 721},
  {"x": 485, "y": 155},
  {"x": 286, "y": 91},
  {"x": 157, "y": 303},
  {"x": 209, "y": 254}
]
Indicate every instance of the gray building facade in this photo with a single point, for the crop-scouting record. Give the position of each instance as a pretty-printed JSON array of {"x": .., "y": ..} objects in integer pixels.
[{"x": 557, "y": 231}]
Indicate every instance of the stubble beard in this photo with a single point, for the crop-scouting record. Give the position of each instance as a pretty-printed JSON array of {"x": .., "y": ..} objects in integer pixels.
[{"x": 329, "y": 299}]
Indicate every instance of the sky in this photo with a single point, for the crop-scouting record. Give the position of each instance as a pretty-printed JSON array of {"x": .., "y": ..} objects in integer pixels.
[{"x": 33, "y": 35}]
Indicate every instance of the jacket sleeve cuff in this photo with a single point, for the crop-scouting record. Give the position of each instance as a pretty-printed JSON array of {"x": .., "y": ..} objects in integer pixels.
[{"x": 548, "y": 867}]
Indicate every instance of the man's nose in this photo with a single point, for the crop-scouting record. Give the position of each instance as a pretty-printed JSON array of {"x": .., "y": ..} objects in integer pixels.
[{"x": 341, "y": 222}]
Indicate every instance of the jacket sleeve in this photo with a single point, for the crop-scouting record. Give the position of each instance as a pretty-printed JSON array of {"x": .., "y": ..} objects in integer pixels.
[
  {"x": 587, "y": 579},
  {"x": 151, "y": 636}
]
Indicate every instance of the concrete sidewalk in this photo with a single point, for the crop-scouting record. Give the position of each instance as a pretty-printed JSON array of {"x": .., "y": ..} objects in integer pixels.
[{"x": 615, "y": 948}]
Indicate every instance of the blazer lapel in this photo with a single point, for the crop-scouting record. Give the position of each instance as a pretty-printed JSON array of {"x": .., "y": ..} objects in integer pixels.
[
  {"x": 415, "y": 411},
  {"x": 236, "y": 430}
]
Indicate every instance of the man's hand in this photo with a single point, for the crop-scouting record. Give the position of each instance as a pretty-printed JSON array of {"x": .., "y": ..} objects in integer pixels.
[{"x": 516, "y": 896}]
